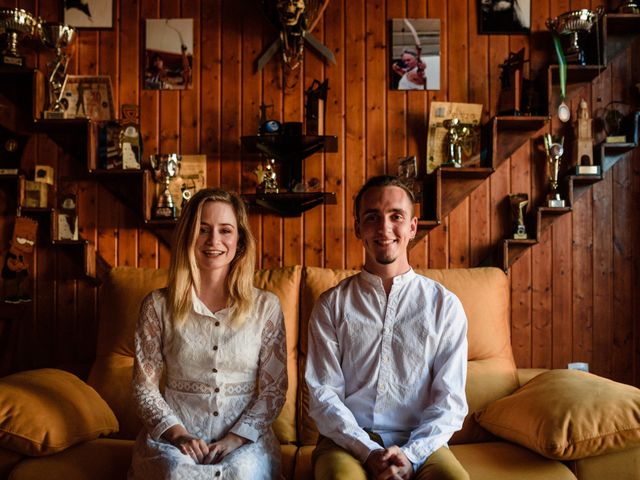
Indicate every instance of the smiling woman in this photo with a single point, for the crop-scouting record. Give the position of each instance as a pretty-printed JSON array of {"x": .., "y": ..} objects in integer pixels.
[{"x": 214, "y": 417}]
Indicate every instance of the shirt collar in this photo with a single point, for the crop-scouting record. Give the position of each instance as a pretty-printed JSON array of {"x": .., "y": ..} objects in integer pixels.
[
  {"x": 397, "y": 280},
  {"x": 198, "y": 305}
]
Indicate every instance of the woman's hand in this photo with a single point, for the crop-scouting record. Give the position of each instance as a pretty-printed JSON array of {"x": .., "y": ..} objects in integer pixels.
[
  {"x": 223, "y": 447},
  {"x": 188, "y": 444}
]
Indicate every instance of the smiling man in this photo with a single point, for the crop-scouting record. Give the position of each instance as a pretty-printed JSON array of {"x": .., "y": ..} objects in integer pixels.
[{"x": 386, "y": 366}]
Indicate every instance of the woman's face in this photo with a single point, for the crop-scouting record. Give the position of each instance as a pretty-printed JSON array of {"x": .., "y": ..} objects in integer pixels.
[{"x": 217, "y": 240}]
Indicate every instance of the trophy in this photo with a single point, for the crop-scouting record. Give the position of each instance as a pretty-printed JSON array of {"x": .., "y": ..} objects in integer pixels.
[
  {"x": 456, "y": 134},
  {"x": 267, "y": 178},
  {"x": 165, "y": 167},
  {"x": 16, "y": 23},
  {"x": 58, "y": 37},
  {"x": 519, "y": 202},
  {"x": 574, "y": 24},
  {"x": 553, "y": 145},
  {"x": 584, "y": 143},
  {"x": 629, "y": 7}
]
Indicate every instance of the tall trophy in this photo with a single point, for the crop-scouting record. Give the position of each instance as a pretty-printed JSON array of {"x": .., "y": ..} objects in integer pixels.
[
  {"x": 165, "y": 167},
  {"x": 574, "y": 25},
  {"x": 519, "y": 202},
  {"x": 457, "y": 133},
  {"x": 57, "y": 36},
  {"x": 16, "y": 24},
  {"x": 553, "y": 145}
]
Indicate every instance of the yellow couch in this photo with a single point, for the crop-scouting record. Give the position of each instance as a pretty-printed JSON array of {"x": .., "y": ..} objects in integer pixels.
[{"x": 492, "y": 377}]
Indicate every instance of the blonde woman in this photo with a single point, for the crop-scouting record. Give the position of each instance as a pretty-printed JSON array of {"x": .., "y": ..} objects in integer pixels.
[{"x": 220, "y": 344}]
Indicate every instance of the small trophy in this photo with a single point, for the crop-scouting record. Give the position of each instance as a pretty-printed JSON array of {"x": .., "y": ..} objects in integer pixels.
[
  {"x": 584, "y": 143},
  {"x": 519, "y": 202},
  {"x": 165, "y": 167},
  {"x": 553, "y": 145},
  {"x": 315, "y": 107},
  {"x": 15, "y": 24},
  {"x": 267, "y": 178},
  {"x": 456, "y": 134},
  {"x": 58, "y": 37}
]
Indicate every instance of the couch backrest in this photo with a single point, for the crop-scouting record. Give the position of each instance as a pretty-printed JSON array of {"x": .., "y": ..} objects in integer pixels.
[
  {"x": 484, "y": 293},
  {"x": 119, "y": 305}
]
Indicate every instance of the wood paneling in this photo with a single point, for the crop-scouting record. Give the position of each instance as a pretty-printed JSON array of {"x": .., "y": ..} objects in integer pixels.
[{"x": 571, "y": 295}]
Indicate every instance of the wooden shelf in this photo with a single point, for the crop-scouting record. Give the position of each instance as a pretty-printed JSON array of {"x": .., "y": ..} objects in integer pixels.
[
  {"x": 576, "y": 73},
  {"x": 288, "y": 204},
  {"x": 618, "y": 30}
]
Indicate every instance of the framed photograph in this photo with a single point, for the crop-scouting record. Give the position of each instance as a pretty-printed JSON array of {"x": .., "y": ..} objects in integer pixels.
[
  {"x": 86, "y": 96},
  {"x": 168, "y": 54},
  {"x": 415, "y": 54},
  {"x": 88, "y": 13},
  {"x": 504, "y": 16}
]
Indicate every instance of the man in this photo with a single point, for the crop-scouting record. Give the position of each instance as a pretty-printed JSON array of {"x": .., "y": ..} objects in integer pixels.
[
  {"x": 411, "y": 72},
  {"x": 386, "y": 366}
]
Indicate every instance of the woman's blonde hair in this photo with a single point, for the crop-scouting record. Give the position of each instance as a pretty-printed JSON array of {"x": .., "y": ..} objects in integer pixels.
[{"x": 183, "y": 269}]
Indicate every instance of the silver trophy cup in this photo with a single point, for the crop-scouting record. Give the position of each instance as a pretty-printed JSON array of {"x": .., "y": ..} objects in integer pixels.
[
  {"x": 165, "y": 167},
  {"x": 57, "y": 36},
  {"x": 570, "y": 25},
  {"x": 15, "y": 24}
]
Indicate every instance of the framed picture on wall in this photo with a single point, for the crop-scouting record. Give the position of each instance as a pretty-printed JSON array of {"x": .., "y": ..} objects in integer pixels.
[
  {"x": 86, "y": 96},
  {"x": 504, "y": 16},
  {"x": 168, "y": 54},
  {"x": 415, "y": 54},
  {"x": 88, "y": 13}
]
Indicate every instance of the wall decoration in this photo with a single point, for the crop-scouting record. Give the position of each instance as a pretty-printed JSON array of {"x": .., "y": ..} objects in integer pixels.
[
  {"x": 87, "y": 96},
  {"x": 191, "y": 177},
  {"x": 504, "y": 16},
  {"x": 88, "y": 13},
  {"x": 168, "y": 56},
  {"x": 415, "y": 54},
  {"x": 468, "y": 115}
]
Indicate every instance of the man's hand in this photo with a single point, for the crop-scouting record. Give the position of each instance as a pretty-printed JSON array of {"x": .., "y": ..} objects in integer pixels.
[
  {"x": 400, "y": 468},
  {"x": 223, "y": 447},
  {"x": 374, "y": 463}
]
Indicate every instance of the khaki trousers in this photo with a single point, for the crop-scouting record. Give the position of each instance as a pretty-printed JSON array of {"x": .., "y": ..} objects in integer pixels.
[{"x": 332, "y": 462}]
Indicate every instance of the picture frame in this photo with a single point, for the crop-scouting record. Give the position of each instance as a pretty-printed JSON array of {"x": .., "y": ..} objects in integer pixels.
[
  {"x": 89, "y": 14},
  {"x": 504, "y": 17},
  {"x": 88, "y": 96},
  {"x": 168, "y": 54},
  {"x": 407, "y": 70}
]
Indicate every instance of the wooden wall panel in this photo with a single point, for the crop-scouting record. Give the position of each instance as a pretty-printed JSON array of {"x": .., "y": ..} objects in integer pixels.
[{"x": 571, "y": 294}]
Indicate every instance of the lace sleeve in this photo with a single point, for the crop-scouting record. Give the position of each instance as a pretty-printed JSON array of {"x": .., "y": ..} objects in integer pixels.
[
  {"x": 272, "y": 380},
  {"x": 148, "y": 365}
]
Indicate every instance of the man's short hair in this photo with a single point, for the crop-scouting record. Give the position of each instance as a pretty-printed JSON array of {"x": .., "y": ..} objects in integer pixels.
[{"x": 381, "y": 181}]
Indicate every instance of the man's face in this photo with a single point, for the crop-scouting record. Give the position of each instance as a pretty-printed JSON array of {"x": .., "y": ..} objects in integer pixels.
[
  {"x": 386, "y": 225},
  {"x": 290, "y": 11},
  {"x": 409, "y": 60}
]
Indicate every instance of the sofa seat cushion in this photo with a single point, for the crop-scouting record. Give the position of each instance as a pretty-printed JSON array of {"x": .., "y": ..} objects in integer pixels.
[
  {"x": 120, "y": 299},
  {"x": 100, "y": 459},
  {"x": 48, "y": 410},
  {"x": 567, "y": 415},
  {"x": 484, "y": 294},
  {"x": 622, "y": 465},
  {"x": 507, "y": 461},
  {"x": 8, "y": 460}
]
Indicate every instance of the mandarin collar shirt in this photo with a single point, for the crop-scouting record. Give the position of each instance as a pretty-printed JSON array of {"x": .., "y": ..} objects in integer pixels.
[{"x": 394, "y": 366}]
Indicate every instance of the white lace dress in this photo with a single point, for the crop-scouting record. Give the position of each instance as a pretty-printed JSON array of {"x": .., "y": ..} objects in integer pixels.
[{"x": 218, "y": 379}]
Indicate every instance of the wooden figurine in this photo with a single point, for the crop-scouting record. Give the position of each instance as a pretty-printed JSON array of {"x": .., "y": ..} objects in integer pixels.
[{"x": 584, "y": 143}]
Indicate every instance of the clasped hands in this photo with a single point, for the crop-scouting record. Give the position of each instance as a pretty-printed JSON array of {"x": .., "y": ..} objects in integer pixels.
[
  {"x": 389, "y": 464},
  {"x": 202, "y": 452}
]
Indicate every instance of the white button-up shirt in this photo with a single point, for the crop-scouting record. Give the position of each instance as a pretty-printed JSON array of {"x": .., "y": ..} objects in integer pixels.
[{"x": 395, "y": 366}]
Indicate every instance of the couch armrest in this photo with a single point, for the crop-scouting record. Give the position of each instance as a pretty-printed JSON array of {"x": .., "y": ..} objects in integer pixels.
[{"x": 526, "y": 374}]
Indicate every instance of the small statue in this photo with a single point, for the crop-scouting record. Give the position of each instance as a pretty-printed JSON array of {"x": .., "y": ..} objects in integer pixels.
[
  {"x": 315, "y": 106},
  {"x": 15, "y": 271},
  {"x": 584, "y": 143},
  {"x": 519, "y": 202},
  {"x": 456, "y": 135}
]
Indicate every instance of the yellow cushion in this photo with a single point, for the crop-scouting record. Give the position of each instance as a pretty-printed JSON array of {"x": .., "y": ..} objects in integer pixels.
[
  {"x": 45, "y": 411},
  {"x": 567, "y": 415},
  {"x": 120, "y": 299}
]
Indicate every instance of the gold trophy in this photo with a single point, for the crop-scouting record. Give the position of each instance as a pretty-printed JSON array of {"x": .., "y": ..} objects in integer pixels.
[
  {"x": 519, "y": 202},
  {"x": 15, "y": 24},
  {"x": 165, "y": 167},
  {"x": 57, "y": 36},
  {"x": 267, "y": 178},
  {"x": 456, "y": 134},
  {"x": 553, "y": 145}
]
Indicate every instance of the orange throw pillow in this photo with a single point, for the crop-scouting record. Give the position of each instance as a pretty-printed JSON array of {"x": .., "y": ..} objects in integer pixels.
[
  {"x": 45, "y": 411},
  {"x": 567, "y": 415}
]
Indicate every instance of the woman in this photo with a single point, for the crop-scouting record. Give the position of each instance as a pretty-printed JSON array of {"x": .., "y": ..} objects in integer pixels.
[{"x": 220, "y": 343}]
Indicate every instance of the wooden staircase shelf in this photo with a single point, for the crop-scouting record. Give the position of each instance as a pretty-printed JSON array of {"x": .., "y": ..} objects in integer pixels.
[
  {"x": 618, "y": 29},
  {"x": 510, "y": 132},
  {"x": 288, "y": 204}
]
